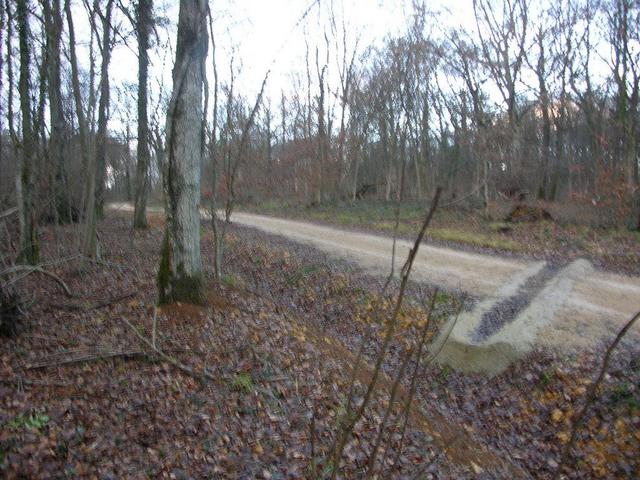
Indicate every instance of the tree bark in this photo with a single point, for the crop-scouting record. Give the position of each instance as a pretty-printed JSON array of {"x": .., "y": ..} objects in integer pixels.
[
  {"x": 143, "y": 26},
  {"x": 94, "y": 193},
  {"x": 53, "y": 24},
  {"x": 180, "y": 275},
  {"x": 25, "y": 179},
  {"x": 103, "y": 110},
  {"x": 2, "y": 30}
]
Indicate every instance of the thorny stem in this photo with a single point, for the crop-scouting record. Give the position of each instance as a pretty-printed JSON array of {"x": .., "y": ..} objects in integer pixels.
[
  {"x": 396, "y": 384},
  {"x": 391, "y": 325},
  {"x": 412, "y": 391},
  {"x": 412, "y": 385},
  {"x": 376, "y": 310}
]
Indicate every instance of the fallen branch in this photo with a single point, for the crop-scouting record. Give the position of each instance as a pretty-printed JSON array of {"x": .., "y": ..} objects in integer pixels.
[
  {"x": 180, "y": 366},
  {"x": 8, "y": 212},
  {"x": 23, "y": 381},
  {"x": 591, "y": 395},
  {"x": 96, "y": 306},
  {"x": 29, "y": 269},
  {"x": 85, "y": 356}
]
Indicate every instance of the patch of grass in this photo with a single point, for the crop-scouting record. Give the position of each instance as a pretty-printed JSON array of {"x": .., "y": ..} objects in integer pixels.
[
  {"x": 242, "y": 382},
  {"x": 623, "y": 393},
  {"x": 443, "y": 297},
  {"x": 35, "y": 421},
  {"x": 470, "y": 238},
  {"x": 404, "y": 228},
  {"x": 301, "y": 273},
  {"x": 546, "y": 377},
  {"x": 443, "y": 374},
  {"x": 499, "y": 227},
  {"x": 232, "y": 281}
]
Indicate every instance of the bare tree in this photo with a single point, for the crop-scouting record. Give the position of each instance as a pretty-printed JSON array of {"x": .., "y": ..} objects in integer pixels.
[
  {"x": 61, "y": 207},
  {"x": 26, "y": 174},
  {"x": 623, "y": 17},
  {"x": 94, "y": 192},
  {"x": 503, "y": 35},
  {"x": 2, "y": 31},
  {"x": 180, "y": 275},
  {"x": 143, "y": 26},
  {"x": 322, "y": 152}
]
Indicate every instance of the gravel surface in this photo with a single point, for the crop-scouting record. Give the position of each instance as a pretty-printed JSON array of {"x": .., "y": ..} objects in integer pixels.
[{"x": 507, "y": 309}]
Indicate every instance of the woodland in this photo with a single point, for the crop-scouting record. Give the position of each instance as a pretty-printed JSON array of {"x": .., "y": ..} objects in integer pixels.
[{"x": 145, "y": 333}]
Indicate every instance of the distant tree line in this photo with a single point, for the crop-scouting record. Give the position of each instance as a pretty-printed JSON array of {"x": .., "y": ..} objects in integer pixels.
[{"x": 535, "y": 101}]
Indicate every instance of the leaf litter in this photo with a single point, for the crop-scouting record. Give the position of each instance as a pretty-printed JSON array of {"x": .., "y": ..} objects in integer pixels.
[{"x": 280, "y": 342}]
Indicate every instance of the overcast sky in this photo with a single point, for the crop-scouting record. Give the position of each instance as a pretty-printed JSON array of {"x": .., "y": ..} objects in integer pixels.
[{"x": 263, "y": 33}]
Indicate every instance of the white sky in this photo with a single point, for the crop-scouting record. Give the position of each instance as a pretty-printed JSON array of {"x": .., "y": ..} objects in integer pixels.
[
  {"x": 259, "y": 32},
  {"x": 263, "y": 33}
]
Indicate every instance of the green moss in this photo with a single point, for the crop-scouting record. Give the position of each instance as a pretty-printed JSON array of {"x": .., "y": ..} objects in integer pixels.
[
  {"x": 500, "y": 226},
  {"x": 188, "y": 288},
  {"x": 180, "y": 287},
  {"x": 302, "y": 273},
  {"x": 232, "y": 281},
  {"x": 242, "y": 382},
  {"x": 443, "y": 297},
  {"x": 164, "y": 271},
  {"x": 476, "y": 239}
]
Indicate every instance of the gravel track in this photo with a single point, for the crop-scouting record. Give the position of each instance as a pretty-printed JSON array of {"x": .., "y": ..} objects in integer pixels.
[{"x": 597, "y": 305}]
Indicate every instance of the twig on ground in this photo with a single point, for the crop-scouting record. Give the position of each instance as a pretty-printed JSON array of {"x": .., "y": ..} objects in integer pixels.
[
  {"x": 153, "y": 326},
  {"x": 312, "y": 441},
  {"x": 36, "y": 383},
  {"x": 29, "y": 269},
  {"x": 8, "y": 212},
  {"x": 180, "y": 366},
  {"x": 85, "y": 356},
  {"x": 96, "y": 306}
]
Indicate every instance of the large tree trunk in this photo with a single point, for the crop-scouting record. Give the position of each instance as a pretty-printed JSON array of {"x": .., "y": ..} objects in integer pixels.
[
  {"x": 103, "y": 110},
  {"x": 75, "y": 87},
  {"x": 61, "y": 207},
  {"x": 25, "y": 179},
  {"x": 180, "y": 275},
  {"x": 2, "y": 31},
  {"x": 143, "y": 26}
]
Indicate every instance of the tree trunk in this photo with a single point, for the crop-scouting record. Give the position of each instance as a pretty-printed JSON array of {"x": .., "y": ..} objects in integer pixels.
[
  {"x": 53, "y": 21},
  {"x": 25, "y": 178},
  {"x": 2, "y": 31},
  {"x": 94, "y": 198},
  {"x": 143, "y": 26},
  {"x": 103, "y": 110},
  {"x": 180, "y": 274}
]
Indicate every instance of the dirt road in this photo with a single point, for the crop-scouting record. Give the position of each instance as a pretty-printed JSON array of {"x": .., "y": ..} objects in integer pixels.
[{"x": 573, "y": 306}]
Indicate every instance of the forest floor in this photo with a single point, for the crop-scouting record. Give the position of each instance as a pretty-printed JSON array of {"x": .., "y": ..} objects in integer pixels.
[
  {"x": 615, "y": 249},
  {"x": 82, "y": 396}
]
